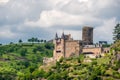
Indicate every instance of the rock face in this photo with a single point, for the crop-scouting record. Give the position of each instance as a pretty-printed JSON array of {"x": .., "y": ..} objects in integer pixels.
[{"x": 87, "y": 35}]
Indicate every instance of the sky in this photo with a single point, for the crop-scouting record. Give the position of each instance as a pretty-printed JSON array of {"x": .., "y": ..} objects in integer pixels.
[{"x": 23, "y": 19}]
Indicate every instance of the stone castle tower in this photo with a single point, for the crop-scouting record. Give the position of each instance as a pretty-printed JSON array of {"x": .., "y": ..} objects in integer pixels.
[
  {"x": 87, "y": 35},
  {"x": 59, "y": 48},
  {"x": 65, "y": 46}
]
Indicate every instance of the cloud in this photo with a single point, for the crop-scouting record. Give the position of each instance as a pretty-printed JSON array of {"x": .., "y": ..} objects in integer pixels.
[
  {"x": 77, "y": 12},
  {"x": 6, "y": 33},
  {"x": 3, "y": 1},
  {"x": 17, "y": 11},
  {"x": 43, "y": 18},
  {"x": 56, "y": 17},
  {"x": 82, "y": 0},
  {"x": 105, "y": 31}
]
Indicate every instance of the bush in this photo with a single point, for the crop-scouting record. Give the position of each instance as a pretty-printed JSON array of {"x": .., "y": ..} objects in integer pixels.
[
  {"x": 40, "y": 48},
  {"x": 49, "y": 46},
  {"x": 22, "y": 51},
  {"x": 94, "y": 63},
  {"x": 116, "y": 75},
  {"x": 55, "y": 76},
  {"x": 94, "y": 77},
  {"x": 34, "y": 50}
]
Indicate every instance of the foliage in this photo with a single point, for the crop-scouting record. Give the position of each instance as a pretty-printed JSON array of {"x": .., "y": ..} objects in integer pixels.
[
  {"x": 116, "y": 32},
  {"x": 22, "y": 51},
  {"x": 75, "y": 68},
  {"x": 20, "y": 62},
  {"x": 106, "y": 45},
  {"x": 116, "y": 46},
  {"x": 49, "y": 46},
  {"x": 35, "y": 40},
  {"x": 20, "y": 41}
]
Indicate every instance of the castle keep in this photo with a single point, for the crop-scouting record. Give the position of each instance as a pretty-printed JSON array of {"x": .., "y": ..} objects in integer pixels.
[{"x": 87, "y": 35}]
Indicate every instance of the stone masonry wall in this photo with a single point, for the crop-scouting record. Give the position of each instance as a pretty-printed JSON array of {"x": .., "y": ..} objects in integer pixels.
[
  {"x": 72, "y": 48},
  {"x": 96, "y": 51}
]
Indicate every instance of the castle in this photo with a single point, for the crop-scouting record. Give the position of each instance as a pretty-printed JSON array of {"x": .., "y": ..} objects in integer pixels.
[{"x": 66, "y": 47}]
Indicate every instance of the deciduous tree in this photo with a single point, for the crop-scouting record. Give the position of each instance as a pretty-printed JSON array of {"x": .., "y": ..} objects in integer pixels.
[{"x": 116, "y": 32}]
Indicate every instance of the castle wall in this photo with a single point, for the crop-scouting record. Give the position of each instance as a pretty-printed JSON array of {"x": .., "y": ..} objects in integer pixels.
[
  {"x": 95, "y": 50},
  {"x": 72, "y": 48},
  {"x": 106, "y": 50}
]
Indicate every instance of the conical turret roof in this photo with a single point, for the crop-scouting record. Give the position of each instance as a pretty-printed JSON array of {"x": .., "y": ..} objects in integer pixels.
[
  {"x": 63, "y": 36},
  {"x": 56, "y": 36}
]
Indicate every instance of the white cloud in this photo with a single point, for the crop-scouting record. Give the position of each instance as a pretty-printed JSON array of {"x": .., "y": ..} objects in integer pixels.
[
  {"x": 83, "y": 0},
  {"x": 56, "y": 17},
  {"x": 72, "y": 13},
  {"x": 104, "y": 32},
  {"x": 3, "y": 1},
  {"x": 6, "y": 33},
  {"x": 51, "y": 14}
]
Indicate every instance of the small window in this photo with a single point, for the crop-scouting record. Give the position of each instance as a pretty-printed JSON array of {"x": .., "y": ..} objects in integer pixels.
[{"x": 58, "y": 51}]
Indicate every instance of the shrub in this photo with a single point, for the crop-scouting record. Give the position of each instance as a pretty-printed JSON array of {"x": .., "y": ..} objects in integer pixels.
[
  {"x": 22, "y": 51},
  {"x": 49, "y": 46}
]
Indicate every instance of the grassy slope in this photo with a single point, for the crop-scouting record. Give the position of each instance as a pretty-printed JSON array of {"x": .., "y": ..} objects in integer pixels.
[{"x": 14, "y": 65}]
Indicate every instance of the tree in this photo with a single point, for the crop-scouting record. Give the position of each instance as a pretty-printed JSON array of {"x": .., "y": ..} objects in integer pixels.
[
  {"x": 41, "y": 40},
  {"x": 38, "y": 41},
  {"x": 34, "y": 50},
  {"x": 11, "y": 42},
  {"x": 116, "y": 32},
  {"x": 32, "y": 39},
  {"x": 49, "y": 46},
  {"x": 45, "y": 41},
  {"x": 20, "y": 41},
  {"x": 35, "y": 39},
  {"x": 23, "y": 51},
  {"x": 29, "y": 40}
]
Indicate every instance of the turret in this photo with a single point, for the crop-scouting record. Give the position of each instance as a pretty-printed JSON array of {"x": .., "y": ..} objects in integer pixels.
[
  {"x": 56, "y": 36},
  {"x": 63, "y": 36}
]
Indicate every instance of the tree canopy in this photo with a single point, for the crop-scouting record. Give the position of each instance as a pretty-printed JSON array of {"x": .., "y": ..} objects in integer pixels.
[{"x": 116, "y": 32}]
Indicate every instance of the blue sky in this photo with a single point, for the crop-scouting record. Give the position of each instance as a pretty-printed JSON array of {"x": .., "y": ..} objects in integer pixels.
[{"x": 23, "y": 19}]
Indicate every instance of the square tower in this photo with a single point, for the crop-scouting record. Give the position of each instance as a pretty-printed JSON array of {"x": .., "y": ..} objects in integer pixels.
[{"x": 87, "y": 35}]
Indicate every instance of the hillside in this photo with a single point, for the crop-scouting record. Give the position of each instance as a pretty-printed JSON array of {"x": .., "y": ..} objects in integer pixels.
[
  {"x": 81, "y": 68},
  {"x": 21, "y": 61}
]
